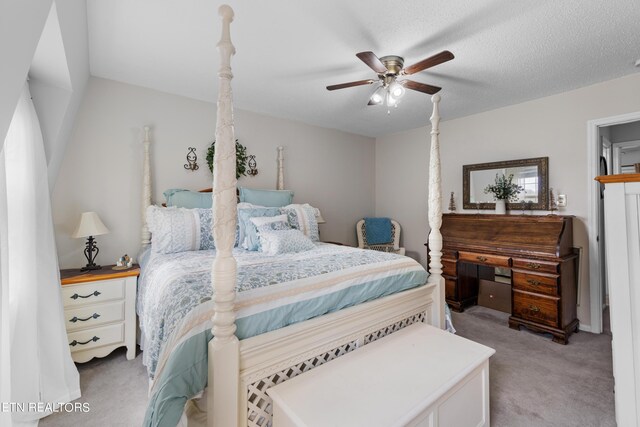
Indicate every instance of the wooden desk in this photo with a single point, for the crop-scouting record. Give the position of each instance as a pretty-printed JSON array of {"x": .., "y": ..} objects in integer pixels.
[{"x": 537, "y": 249}]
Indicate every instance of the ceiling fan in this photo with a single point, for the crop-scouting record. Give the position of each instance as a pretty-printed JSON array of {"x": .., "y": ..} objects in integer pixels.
[{"x": 390, "y": 70}]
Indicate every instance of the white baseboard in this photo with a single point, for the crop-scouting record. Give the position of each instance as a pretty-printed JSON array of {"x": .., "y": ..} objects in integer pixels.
[{"x": 586, "y": 328}]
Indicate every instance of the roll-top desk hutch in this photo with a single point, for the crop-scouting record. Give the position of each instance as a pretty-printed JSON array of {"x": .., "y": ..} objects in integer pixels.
[{"x": 537, "y": 249}]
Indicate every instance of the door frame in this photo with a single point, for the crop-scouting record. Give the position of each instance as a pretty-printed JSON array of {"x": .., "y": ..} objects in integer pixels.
[{"x": 593, "y": 167}]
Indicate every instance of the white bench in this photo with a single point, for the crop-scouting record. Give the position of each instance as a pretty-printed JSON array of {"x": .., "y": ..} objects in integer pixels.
[{"x": 419, "y": 376}]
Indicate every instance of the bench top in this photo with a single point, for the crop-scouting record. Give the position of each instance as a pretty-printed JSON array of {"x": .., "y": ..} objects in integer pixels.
[{"x": 383, "y": 383}]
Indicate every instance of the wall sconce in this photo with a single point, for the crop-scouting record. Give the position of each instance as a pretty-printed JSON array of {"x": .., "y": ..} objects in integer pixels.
[
  {"x": 253, "y": 166},
  {"x": 192, "y": 160}
]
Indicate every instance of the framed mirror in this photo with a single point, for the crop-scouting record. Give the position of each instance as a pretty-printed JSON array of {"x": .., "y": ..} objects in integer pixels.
[{"x": 532, "y": 174}]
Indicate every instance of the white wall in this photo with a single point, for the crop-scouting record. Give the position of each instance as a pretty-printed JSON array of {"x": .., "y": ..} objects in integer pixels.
[
  {"x": 21, "y": 23},
  {"x": 21, "y": 27},
  {"x": 625, "y": 132},
  {"x": 554, "y": 126},
  {"x": 101, "y": 171}
]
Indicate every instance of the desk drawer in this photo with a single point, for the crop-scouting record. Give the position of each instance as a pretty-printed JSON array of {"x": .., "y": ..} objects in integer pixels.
[
  {"x": 536, "y": 308},
  {"x": 537, "y": 266},
  {"x": 93, "y": 315},
  {"x": 449, "y": 267},
  {"x": 96, "y": 337},
  {"x": 535, "y": 283},
  {"x": 92, "y": 292},
  {"x": 484, "y": 259}
]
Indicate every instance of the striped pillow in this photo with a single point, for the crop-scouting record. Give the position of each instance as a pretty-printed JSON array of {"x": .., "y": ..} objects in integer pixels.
[{"x": 179, "y": 229}]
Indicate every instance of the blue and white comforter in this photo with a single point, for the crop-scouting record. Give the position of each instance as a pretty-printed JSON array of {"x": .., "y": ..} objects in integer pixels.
[{"x": 174, "y": 305}]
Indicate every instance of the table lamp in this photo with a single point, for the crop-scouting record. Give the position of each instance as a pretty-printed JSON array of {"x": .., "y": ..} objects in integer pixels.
[
  {"x": 319, "y": 218},
  {"x": 90, "y": 225}
]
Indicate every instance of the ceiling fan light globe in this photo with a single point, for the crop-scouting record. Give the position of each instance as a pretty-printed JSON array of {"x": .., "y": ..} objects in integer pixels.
[
  {"x": 391, "y": 101},
  {"x": 396, "y": 90}
]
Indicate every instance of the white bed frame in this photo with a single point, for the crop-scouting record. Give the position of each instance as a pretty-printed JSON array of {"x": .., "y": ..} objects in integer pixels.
[{"x": 240, "y": 372}]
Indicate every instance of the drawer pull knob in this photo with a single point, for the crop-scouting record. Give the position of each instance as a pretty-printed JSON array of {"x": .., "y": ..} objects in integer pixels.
[
  {"x": 534, "y": 282},
  {"x": 481, "y": 258},
  {"x": 534, "y": 308},
  {"x": 75, "y": 343},
  {"x": 76, "y": 319},
  {"x": 93, "y": 294},
  {"x": 533, "y": 265}
]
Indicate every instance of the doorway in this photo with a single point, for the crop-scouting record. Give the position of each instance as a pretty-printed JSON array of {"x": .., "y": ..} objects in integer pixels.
[{"x": 614, "y": 146}]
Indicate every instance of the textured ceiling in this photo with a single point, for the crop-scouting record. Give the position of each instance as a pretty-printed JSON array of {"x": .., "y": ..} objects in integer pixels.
[{"x": 507, "y": 51}]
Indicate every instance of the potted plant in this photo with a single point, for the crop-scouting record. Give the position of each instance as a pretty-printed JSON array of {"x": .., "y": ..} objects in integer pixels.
[{"x": 503, "y": 190}]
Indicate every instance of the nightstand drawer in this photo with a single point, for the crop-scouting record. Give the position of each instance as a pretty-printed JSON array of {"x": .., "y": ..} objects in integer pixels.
[
  {"x": 94, "y": 315},
  {"x": 96, "y": 337},
  {"x": 92, "y": 292}
]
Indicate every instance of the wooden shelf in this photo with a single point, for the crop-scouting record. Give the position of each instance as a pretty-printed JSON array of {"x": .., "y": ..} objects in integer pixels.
[{"x": 622, "y": 177}]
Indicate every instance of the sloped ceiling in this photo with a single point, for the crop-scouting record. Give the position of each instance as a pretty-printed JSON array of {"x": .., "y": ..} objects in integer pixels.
[{"x": 507, "y": 51}]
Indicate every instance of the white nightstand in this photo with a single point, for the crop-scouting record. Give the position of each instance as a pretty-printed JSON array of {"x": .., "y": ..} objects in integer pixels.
[{"x": 99, "y": 309}]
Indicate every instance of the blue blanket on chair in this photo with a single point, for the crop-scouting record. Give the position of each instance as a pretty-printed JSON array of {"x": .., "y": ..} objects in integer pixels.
[{"x": 378, "y": 231}]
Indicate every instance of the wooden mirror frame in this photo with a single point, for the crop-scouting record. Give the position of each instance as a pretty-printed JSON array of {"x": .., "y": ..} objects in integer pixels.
[{"x": 543, "y": 182}]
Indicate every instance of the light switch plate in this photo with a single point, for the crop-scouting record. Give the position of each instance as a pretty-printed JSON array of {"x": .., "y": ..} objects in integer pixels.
[{"x": 562, "y": 200}]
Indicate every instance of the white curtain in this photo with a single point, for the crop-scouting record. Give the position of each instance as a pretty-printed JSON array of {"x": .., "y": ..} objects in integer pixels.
[{"x": 35, "y": 361}]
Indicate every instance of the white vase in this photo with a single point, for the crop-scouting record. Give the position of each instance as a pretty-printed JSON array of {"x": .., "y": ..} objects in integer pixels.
[{"x": 501, "y": 207}]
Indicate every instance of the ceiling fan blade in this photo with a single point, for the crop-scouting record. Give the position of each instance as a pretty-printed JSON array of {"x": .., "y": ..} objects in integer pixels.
[
  {"x": 350, "y": 84},
  {"x": 420, "y": 87},
  {"x": 372, "y": 61},
  {"x": 434, "y": 60}
]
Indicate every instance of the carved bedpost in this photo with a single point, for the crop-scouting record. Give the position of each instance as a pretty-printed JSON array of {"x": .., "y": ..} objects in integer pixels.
[
  {"x": 435, "y": 218},
  {"x": 224, "y": 348},
  {"x": 146, "y": 188},
  {"x": 280, "y": 183}
]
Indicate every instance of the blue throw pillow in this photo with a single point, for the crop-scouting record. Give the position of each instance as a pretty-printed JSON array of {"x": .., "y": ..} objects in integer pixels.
[
  {"x": 247, "y": 232},
  {"x": 269, "y": 198},
  {"x": 188, "y": 199}
]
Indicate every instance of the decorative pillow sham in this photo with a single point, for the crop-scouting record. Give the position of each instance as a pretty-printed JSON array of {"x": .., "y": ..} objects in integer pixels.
[
  {"x": 179, "y": 229},
  {"x": 277, "y": 242},
  {"x": 251, "y": 241},
  {"x": 303, "y": 218},
  {"x": 246, "y": 227},
  {"x": 188, "y": 199},
  {"x": 269, "y": 198}
]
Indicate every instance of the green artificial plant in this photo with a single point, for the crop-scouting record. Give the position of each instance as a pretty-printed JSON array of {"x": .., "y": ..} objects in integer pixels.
[
  {"x": 504, "y": 188},
  {"x": 241, "y": 158}
]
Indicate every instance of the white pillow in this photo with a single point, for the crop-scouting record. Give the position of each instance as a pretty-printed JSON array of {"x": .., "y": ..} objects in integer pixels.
[
  {"x": 179, "y": 229},
  {"x": 262, "y": 220},
  {"x": 251, "y": 241},
  {"x": 276, "y": 242},
  {"x": 303, "y": 218}
]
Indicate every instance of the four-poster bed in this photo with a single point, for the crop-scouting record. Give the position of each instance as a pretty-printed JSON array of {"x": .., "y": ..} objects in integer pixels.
[{"x": 240, "y": 371}]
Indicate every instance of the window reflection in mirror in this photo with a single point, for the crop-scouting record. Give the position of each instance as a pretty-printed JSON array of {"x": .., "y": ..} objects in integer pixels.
[{"x": 531, "y": 174}]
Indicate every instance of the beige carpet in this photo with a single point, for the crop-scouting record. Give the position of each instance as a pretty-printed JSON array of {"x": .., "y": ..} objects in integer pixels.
[
  {"x": 116, "y": 390},
  {"x": 534, "y": 382}
]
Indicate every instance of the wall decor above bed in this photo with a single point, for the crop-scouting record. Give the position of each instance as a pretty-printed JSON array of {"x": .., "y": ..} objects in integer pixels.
[
  {"x": 241, "y": 158},
  {"x": 192, "y": 160}
]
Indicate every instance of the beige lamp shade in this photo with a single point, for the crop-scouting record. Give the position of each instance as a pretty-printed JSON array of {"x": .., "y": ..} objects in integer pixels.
[
  {"x": 90, "y": 225},
  {"x": 319, "y": 218}
]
